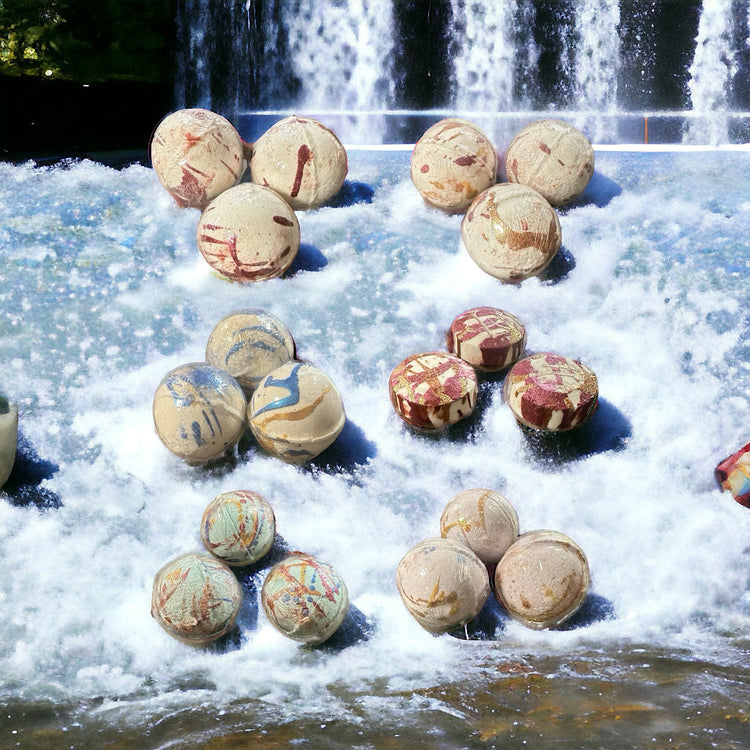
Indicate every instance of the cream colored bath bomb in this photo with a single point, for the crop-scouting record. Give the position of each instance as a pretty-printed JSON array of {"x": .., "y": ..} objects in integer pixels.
[
  {"x": 452, "y": 163},
  {"x": 249, "y": 233},
  {"x": 302, "y": 160},
  {"x": 197, "y": 154},
  {"x": 511, "y": 232},
  {"x": 552, "y": 157},
  {"x": 442, "y": 583},
  {"x": 8, "y": 438},
  {"x": 543, "y": 579}
]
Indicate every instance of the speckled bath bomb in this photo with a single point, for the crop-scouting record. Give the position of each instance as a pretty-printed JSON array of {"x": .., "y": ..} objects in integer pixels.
[
  {"x": 296, "y": 412},
  {"x": 302, "y": 160},
  {"x": 551, "y": 392},
  {"x": 238, "y": 527},
  {"x": 442, "y": 583},
  {"x": 249, "y": 233},
  {"x": 553, "y": 157},
  {"x": 452, "y": 163},
  {"x": 543, "y": 579},
  {"x": 196, "y": 154},
  {"x": 199, "y": 412},
  {"x": 483, "y": 520},
  {"x": 433, "y": 389},
  {"x": 511, "y": 232},
  {"x": 305, "y": 599},
  {"x": 248, "y": 344},
  {"x": 196, "y": 598},
  {"x": 8, "y": 438},
  {"x": 487, "y": 338}
]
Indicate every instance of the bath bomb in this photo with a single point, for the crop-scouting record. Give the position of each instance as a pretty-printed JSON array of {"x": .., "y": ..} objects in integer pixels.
[
  {"x": 433, "y": 389},
  {"x": 249, "y": 233},
  {"x": 483, "y": 520},
  {"x": 543, "y": 579},
  {"x": 487, "y": 338},
  {"x": 8, "y": 438},
  {"x": 452, "y": 163},
  {"x": 238, "y": 527},
  {"x": 732, "y": 474},
  {"x": 442, "y": 583},
  {"x": 197, "y": 154},
  {"x": 248, "y": 344},
  {"x": 552, "y": 157},
  {"x": 296, "y": 412},
  {"x": 195, "y": 598},
  {"x": 511, "y": 232},
  {"x": 302, "y": 160},
  {"x": 200, "y": 412},
  {"x": 551, "y": 392},
  {"x": 305, "y": 599}
]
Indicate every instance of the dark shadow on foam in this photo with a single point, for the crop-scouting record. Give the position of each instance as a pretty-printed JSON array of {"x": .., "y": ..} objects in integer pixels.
[
  {"x": 599, "y": 192},
  {"x": 595, "y": 608},
  {"x": 350, "y": 194},
  {"x": 29, "y": 471},
  {"x": 559, "y": 268},
  {"x": 351, "y": 449},
  {"x": 308, "y": 258}
]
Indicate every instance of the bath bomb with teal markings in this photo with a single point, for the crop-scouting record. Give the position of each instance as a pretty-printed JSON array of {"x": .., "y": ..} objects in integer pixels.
[{"x": 8, "y": 438}]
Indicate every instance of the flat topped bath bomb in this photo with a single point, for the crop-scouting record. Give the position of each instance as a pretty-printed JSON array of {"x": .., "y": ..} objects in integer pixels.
[
  {"x": 451, "y": 163},
  {"x": 305, "y": 599},
  {"x": 249, "y": 233},
  {"x": 248, "y": 344},
  {"x": 196, "y": 598},
  {"x": 197, "y": 154},
  {"x": 511, "y": 232},
  {"x": 487, "y": 338},
  {"x": 433, "y": 389},
  {"x": 238, "y": 527},
  {"x": 551, "y": 392},
  {"x": 8, "y": 438},
  {"x": 199, "y": 412},
  {"x": 302, "y": 160},
  {"x": 442, "y": 583},
  {"x": 543, "y": 579},
  {"x": 553, "y": 157}
]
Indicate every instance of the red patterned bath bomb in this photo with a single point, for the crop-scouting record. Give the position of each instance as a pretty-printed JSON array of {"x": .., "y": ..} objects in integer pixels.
[
  {"x": 733, "y": 474},
  {"x": 433, "y": 389},
  {"x": 550, "y": 392},
  {"x": 196, "y": 154},
  {"x": 451, "y": 163},
  {"x": 487, "y": 338}
]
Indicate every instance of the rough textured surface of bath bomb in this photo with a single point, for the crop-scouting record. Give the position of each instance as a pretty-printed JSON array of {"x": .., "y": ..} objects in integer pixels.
[
  {"x": 487, "y": 338},
  {"x": 249, "y": 233},
  {"x": 433, "y": 389},
  {"x": 543, "y": 579},
  {"x": 238, "y": 527},
  {"x": 296, "y": 412},
  {"x": 197, "y": 154},
  {"x": 452, "y": 163},
  {"x": 483, "y": 520},
  {"x": 442, "y": 583},
  {"x": 733, "y": 474},
  {"x": 553, "y": 157},
  {"x": 248, "y": 344},
  {"x": 8, "y": 438},
  {"x": 200, "y": 412},
  {"x": 551, "y": 392},
  {"x": 305, "y": 599},
  {"x": 302, "y": 160},
  {"x": 195, "y": 598},
  {"x": 511, "y": 232}
]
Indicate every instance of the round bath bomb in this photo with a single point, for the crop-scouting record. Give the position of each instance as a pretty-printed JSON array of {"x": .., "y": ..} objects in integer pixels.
[
  {"x": 305, "y": 599},
  {"x": 550, "y": 392},
  {"x": 433, "y": 389},
  {"x": 196, "y": 598},
  {"x": 200, "y": 412},
  {"x": 483, "y": 520},
  {"x": 543, "y": 579},
  {"x": 302, "y": 160},
  {"x": 196, "y": 154},
  {"x": 552, "y": 157},
  {"x": 249, "y": 233},
  {"x": 238, "y": 527},
  {"x": 8, "y": 438},
  {"x": 487, "y": 338},
  {"x": 296, "y": 412},
  {"x": 442, "y": 583},
  {"x": 248, "y": 344},
  {"x": 511, "y": 232}
]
